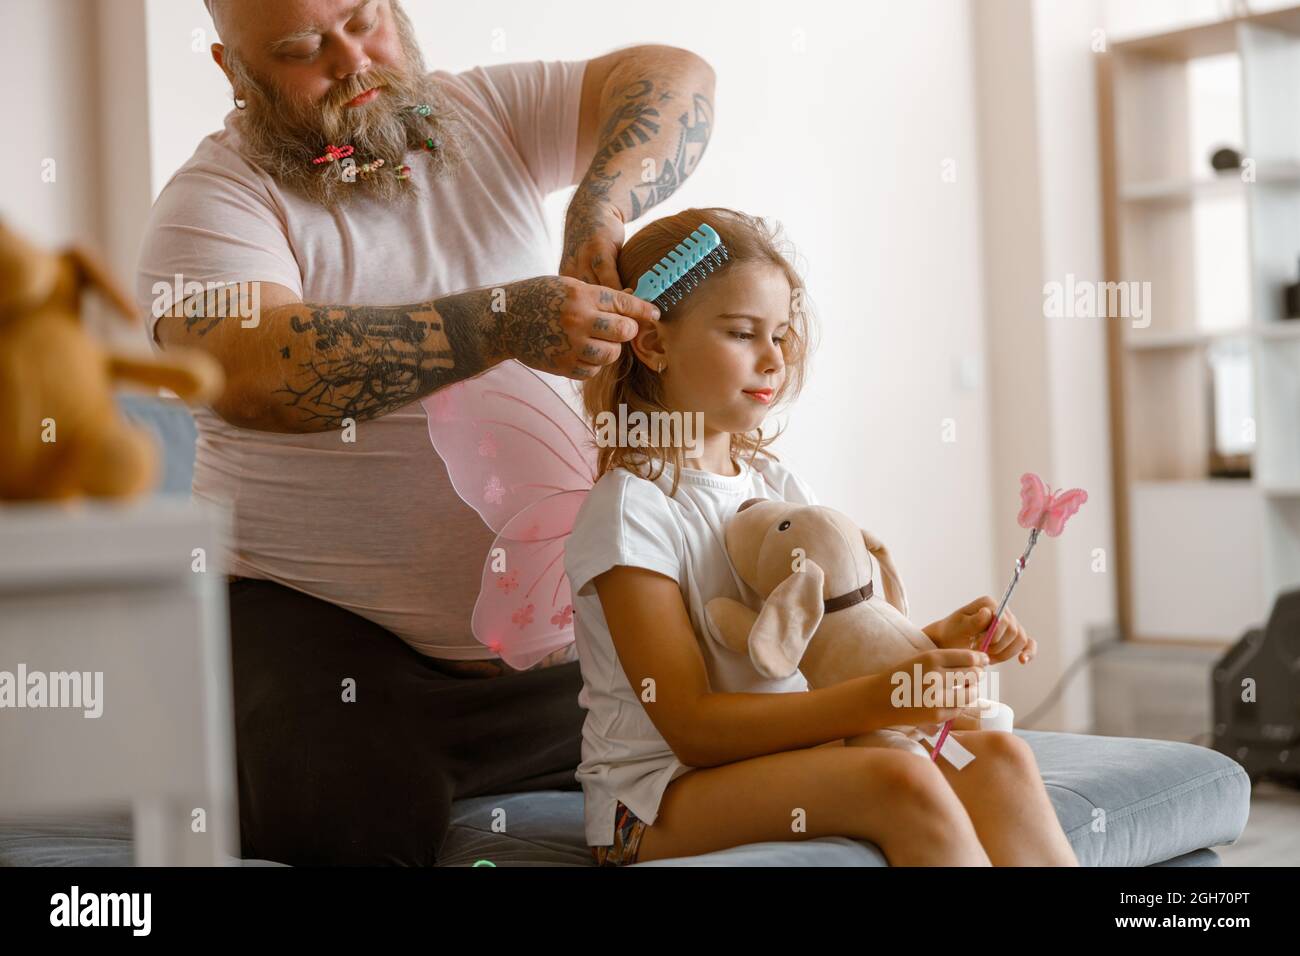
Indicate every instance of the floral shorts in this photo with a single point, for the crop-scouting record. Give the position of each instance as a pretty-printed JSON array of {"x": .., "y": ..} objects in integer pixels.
[{"x": 627, "y": 839}]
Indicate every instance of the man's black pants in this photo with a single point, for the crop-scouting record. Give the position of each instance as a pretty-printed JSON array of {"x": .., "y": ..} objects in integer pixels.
[{"x": 327, "y": 781}]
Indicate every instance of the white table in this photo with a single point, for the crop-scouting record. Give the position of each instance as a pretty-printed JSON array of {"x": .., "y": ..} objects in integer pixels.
[{"x": 111, "y": 588}]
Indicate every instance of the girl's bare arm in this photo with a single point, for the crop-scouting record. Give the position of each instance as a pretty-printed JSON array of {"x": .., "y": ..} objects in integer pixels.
[{"x": 657, "y": 647}]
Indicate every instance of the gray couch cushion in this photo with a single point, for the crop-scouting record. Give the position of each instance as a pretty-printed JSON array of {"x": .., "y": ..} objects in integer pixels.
[
  {"x": 1161, "y": 800},
  {"x": 83, "y": 839},
  {"x": 1163, "y": 803},
  {"x": 1202, "y": 857},
  {"x": 173, "y": 429}
]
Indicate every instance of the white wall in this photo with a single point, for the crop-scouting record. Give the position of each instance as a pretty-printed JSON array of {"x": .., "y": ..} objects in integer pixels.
[
  {"x": 1070, "y": 185},
  {"x": 48, "y": 48},
  {"x": 1021, "y": 409},
  {"x": 51, "y": 189},
  {"x": 189, "y": 96},
  {"x": 62, "y": 113}
]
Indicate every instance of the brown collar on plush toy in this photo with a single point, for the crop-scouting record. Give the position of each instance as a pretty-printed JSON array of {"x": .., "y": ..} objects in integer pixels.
[{"x": 856, "y": 596}]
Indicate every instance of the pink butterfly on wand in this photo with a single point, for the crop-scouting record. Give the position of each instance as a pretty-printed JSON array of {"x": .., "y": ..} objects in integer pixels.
[
  {"x": 1043, "y": 510},
  {"x": 1040, "y": 510}
]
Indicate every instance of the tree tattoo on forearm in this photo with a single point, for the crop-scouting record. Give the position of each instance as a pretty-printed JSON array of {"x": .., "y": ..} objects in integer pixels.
[{"x": 362, "y": 362}]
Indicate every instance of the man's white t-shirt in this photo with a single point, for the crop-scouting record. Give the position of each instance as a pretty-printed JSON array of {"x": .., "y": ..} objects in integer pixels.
[
  {"x": 629, "y": 520},
  {"x": 372, "y": 525}
]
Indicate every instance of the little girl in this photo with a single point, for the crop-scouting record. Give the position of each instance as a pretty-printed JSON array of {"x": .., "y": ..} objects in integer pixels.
[{"x": 686, "y": 748}]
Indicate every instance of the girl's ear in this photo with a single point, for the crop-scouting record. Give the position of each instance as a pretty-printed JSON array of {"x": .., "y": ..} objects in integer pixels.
[{"x": 650, "y": 347}]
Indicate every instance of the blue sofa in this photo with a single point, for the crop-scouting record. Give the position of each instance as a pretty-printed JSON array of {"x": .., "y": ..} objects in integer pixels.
[{"x": 1165, "y": 803}]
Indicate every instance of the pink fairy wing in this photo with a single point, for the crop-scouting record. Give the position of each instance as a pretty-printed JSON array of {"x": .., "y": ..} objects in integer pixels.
[
  {"x": 525, "y": 608},
  {"x": 1062, "y": 506},
  {"x": 509, "y": 441},
  {"x": 1033, "y": 500},
  {"x": 521, "y": 457}
]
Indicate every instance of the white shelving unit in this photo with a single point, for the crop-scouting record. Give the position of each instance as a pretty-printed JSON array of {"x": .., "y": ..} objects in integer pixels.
[
  {"x": 1203, "y": 557},
  {"x": 112, "y": 589}
]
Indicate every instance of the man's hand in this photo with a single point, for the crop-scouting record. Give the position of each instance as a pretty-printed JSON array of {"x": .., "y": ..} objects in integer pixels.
[
  {"x": 965, "y": 627},
  {"x": 593, "y": 237},
  {"x": 565, "y": 326}
]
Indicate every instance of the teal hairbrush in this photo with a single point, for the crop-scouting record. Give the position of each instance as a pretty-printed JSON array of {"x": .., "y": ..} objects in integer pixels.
[{"x": 686, "y": 266}]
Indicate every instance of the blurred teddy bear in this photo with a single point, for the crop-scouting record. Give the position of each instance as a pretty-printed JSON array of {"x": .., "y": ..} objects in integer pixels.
[{"x": 61, "y": 435}]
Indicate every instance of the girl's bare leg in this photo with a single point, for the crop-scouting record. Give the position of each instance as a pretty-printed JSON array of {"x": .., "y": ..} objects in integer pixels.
[
  {"x": 1003, "y": 794},
  {"x": 895, "y": 799}
]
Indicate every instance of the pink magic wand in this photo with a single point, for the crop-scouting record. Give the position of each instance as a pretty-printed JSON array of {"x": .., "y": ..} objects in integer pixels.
[{"x": 1040, "y": 510}]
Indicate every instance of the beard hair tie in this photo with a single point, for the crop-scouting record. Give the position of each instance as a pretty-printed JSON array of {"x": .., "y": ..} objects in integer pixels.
[{"x": 335, "y": 154}]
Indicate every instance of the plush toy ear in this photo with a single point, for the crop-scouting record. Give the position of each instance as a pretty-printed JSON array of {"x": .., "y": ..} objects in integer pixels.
[
  {"x": 893, "y": 583},
  {"x": 91, "y": 271},
  {"x": 192, "y": 374},
  {"x": 27, "y": 274},
  {"x": 790, "y": 617}
]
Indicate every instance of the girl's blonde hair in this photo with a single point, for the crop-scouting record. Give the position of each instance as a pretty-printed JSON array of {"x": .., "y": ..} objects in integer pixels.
[{"x": 630, "y": 382}]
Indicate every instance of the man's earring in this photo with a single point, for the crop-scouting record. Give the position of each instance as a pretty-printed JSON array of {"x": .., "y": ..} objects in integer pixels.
[{"x": 661, "y": 368}]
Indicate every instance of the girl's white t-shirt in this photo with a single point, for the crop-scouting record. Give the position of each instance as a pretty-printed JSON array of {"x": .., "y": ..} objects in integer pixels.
[{"x": 629, "y": 520}]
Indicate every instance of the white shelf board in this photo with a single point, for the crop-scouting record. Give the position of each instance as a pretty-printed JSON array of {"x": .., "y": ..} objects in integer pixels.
[
  {"x": 96, "y": 542},
  {"x": 1141, "y": 340},
  {"x": 1172, "y": 190},
  {"x": 1283, "y": 329},
  {"x": 1207, "y": 485},
  {"x": 1281, "y": 491},
  {"x": 1145, "y": 340},
  {"x": 1205, "y": 39},
  {"x": 1178, "y": 189}
]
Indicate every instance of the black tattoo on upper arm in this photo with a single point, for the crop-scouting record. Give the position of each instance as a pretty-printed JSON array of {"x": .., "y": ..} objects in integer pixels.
[
  {"x": 637, "y": 121},
  {"x": 693, "y": 130},
  {"x": 201, "y": 325}
]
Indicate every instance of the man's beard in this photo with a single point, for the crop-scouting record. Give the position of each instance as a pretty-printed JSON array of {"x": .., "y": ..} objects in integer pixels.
[{"x": 283, "y": 135}]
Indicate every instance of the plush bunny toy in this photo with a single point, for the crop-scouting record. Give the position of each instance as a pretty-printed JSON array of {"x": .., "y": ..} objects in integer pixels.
[
  {"x": 843, "y": 615},
  {"x": 61, "y": 432}
]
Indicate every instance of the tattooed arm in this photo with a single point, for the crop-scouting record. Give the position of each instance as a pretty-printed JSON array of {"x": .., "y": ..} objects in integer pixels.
[
  {"x": 306, "y": 367},
  {"x": 646, "y": 118}
]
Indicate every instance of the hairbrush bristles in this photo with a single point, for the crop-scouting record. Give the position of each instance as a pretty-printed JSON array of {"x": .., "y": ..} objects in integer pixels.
[{"x": 685, "y": 267}]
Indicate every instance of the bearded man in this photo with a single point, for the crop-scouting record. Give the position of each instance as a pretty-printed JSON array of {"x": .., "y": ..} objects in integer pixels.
[{"x": 369, "y": 214}]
